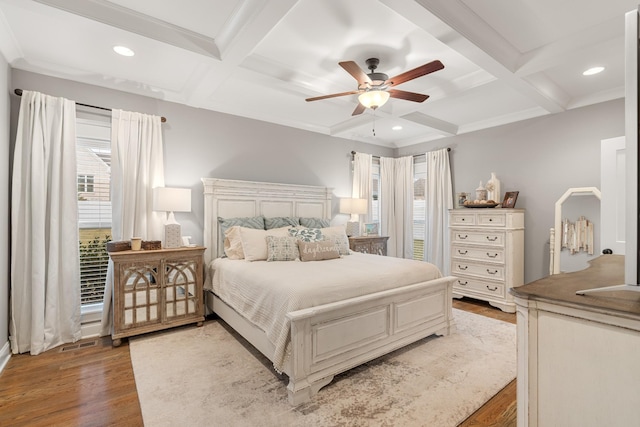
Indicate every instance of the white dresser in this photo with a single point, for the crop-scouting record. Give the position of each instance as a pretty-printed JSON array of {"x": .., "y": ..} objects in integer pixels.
[{"x": 487, "y": 254}]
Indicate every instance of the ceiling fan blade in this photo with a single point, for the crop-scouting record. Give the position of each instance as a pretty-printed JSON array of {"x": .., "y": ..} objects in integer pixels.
[
  {"x": 415, "y": 73},
  {"x": 357, "y": 72},
  {"x": 359, "y": 109},
  {"x": 333, "y": 95},
  {"x": 408, "y": 96}
]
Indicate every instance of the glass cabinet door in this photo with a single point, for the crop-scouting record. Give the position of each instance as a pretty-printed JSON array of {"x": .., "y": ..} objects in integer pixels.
[
  {"x": 140, "y": 294},
  {"x": 180, "y": 293}
]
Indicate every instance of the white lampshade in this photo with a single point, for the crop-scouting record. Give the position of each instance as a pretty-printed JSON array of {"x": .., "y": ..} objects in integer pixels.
[
  {"x": 373, "y": 98},
  {"x": 353, "y": 206},
  {"x": 172, "y": 200}
]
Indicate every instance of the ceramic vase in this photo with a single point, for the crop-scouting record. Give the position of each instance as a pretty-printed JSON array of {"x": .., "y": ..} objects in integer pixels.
[{"x": 493, "y": 188}]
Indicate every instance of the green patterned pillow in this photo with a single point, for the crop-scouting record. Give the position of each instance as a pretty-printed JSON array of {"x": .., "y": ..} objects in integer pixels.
[
  {"x": 256, "y": 222},
  {"x": 281, "y": 221},
  {"x": 282, "y": 248},
  {"x": 314, "y": 222},
  {"x": 306, "y": 234}
]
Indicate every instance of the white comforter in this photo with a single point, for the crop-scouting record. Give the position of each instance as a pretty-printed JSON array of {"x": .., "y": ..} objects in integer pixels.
[{"x": 264, "y": 291}]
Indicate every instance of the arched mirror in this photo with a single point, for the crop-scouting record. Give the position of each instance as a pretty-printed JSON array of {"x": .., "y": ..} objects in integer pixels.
[{"x": 581, "y": 202}]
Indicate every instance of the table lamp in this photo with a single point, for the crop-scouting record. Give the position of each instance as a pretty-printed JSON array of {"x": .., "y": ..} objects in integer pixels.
[
  {"x": 353, "y": 207},
  {"x": 172, "y": 200}
]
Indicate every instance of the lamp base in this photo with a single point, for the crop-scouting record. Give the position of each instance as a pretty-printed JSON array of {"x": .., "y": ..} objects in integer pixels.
[
  {"x": 353, "y": 229},
  {"x": 172, "y": 237}
]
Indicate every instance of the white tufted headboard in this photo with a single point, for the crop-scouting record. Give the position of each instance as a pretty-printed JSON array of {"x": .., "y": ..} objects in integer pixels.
[{"x": 230, "y": 199}]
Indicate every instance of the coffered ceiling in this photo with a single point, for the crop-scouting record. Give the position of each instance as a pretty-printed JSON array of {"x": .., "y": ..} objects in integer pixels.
[{"x": 504, "y": 60}]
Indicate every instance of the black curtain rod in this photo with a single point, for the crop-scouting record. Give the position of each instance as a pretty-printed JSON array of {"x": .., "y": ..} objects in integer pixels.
[
  {"x": 353, "y": 153},
  {"x": 19, "y": 93}
]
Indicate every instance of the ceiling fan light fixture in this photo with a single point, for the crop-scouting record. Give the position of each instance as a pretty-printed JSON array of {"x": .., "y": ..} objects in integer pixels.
[{"x": 373, "y": 98}]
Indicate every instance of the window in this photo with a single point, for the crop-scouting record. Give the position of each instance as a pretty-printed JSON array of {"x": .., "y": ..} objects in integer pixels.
[
  {"x": 375, "y": 190},
  {"x": 419, "y": 206},
  {"x": 93, "y": 152},
  {"x": 85, "y": 183}
]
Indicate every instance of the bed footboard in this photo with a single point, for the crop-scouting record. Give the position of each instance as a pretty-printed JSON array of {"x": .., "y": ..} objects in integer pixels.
[
  {"x": 336, "y": 337},
  {"x": 333, "y": 338}
]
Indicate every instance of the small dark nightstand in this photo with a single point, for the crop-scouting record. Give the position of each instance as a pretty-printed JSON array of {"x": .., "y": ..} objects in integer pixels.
[{"x": 369, "y": 244}]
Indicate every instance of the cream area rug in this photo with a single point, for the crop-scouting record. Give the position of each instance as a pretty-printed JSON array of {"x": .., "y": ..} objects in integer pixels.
[{"x": 210, "y": 376}]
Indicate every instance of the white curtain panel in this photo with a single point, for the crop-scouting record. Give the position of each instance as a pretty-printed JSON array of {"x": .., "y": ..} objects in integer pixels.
[
  {"x": 137, "y": 166},
  {"x": 396, "y": 203},
  {"x": 362, "y": 177},
  {"x": 439, "y": 199},
  {"x": 45, "y": 259}
]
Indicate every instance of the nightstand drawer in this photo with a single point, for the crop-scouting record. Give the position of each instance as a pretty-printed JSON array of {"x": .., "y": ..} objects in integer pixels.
[{"x": 376, "y": 245}]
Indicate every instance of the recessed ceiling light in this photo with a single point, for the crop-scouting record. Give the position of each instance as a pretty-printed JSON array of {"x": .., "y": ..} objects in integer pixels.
[
  {"x": 592, "y": 71},
  {"x": 123, "y": 50},
  {"x": 397, "y": 127}
]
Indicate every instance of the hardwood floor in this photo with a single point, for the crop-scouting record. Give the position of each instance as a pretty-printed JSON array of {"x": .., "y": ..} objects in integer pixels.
[
  {"x": 500, "y": 410},
  {"x": 94, "y": 386}
]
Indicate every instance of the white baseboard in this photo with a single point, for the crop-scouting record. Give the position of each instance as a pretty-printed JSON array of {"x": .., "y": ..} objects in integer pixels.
[
  {"x": 5, "y": 355},
  {"x": 90, "y": 330}
]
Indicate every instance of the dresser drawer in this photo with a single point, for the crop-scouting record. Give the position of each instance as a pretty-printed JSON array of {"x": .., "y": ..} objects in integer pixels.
[
  {"x": 492, "y": 272},
  {"x": 478, "y": 237},
  {"x": 491, "y": 219},
  {"x": 478, "y": 254},
  {"x": 470, "y": 286},
  {"x": 463, "y": 218}
]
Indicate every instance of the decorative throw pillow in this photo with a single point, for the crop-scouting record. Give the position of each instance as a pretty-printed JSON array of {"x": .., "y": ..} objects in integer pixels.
[
  {"x": 317, "y": 251},
  {"x": 341, "y": 242},
  {"x": 282, "y": 248},
  {"x": 281, "y": 221},
  {"x": 256, "y": 222},
  {"x": 233, "y": 243},
  {"x": 306, "y": 234},
  {"x": 315, "y": 222},
  {"x": 254, "y": 242}
]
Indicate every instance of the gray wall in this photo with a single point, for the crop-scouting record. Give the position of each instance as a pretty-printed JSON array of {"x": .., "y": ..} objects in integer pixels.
[
  {"x": 4, "y": 207},
  {"x": 541, "y": 158},
  {"x": 201, "y": 143}
]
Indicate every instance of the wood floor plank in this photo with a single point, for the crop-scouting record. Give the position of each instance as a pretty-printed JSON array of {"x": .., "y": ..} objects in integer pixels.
[{"x": 95, "y": 386}]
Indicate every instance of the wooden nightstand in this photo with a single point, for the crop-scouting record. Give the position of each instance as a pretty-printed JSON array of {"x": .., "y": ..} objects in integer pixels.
[
  {"x": 369, "y": 244},
  {"x": 156, "y": 289}
]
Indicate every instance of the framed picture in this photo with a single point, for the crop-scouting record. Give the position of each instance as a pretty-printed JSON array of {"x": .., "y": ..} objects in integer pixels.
[
  {"x": 461, "y": 198},
  {"x": 510, "y": 198},
  {"x": 371, "y": 229}
]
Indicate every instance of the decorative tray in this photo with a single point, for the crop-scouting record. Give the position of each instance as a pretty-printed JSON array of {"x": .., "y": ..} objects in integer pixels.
[{"x": 481, "y": 205}]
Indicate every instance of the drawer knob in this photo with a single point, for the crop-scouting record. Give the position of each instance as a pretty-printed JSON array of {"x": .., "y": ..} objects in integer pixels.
[
  {"x": 492, "y": 289},
  {"x": 463, "y": 268},
  {"x": 461, "y": 237},
  {"x": 462, "y": 283},
  {"x": 490, "y": 219},
  {"x": 492, "y": 272},
  {"x": 492, "y": 256},
  {"x": 463, "y": 252},
  {"x": 492, "y": 239}
]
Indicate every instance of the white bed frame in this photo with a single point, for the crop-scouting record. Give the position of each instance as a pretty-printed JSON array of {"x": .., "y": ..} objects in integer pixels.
[{"x": 331, "y": 338}]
